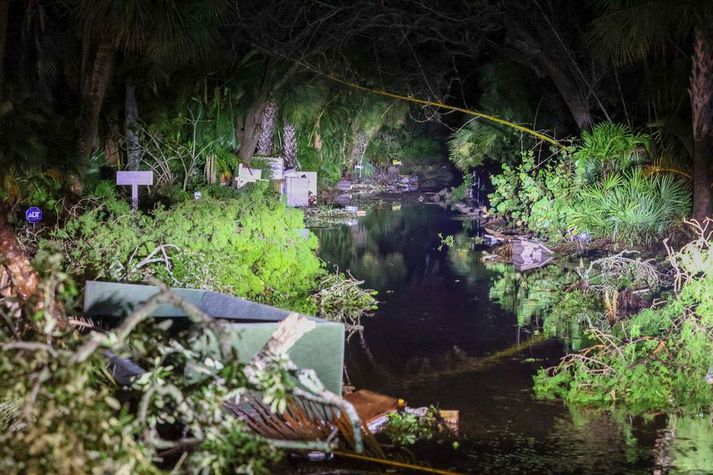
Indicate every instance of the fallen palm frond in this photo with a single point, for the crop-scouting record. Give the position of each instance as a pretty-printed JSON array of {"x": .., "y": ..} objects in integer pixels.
[{"x": 342, "y": 299}]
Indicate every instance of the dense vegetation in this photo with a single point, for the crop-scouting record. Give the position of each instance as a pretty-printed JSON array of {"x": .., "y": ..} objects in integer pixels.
[
  {"x": 659, "y": 358},
  {"x": 598, "y": 189},
  {"x": 192, "y": 90}
]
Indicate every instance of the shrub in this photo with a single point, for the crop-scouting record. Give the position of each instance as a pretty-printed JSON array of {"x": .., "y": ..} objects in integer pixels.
[
  {"x": 600, "y": 190},
  {"x": 608, "y": 148},
  {"x": 536, "y": 196},
  {"x": 659, "y": 359},
  {"x": 249, "y": 245},
  {"x": 406, "y": 428},
  {"x": 631, "y": 207}
]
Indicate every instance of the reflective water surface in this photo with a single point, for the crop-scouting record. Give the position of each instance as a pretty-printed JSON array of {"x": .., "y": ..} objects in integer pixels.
[{"x": 455, "y": 332}]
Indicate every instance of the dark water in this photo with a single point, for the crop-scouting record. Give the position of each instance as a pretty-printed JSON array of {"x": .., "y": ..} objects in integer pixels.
[{"x": 445, "y": 334}]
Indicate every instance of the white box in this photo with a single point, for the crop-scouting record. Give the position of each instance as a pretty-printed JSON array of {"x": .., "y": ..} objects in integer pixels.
[
  {"x": 297, "y": 191},
  {"x": 310, "y": 176},
  {"x": 247, "y": 175}
]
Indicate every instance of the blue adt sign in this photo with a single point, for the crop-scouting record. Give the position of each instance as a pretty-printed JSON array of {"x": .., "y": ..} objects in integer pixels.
[{"x": 33, "y": 215}]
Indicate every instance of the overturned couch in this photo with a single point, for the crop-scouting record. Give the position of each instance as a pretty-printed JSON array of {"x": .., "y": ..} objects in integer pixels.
[{"x": 322, "y": 349}]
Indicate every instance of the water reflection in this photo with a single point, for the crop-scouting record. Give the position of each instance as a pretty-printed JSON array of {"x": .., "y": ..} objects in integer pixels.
[
  {"x": 686, "y": 445},
  {"x": 455, "y": 331}
]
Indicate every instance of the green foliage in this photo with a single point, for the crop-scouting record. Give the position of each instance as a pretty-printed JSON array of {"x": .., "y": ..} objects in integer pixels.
[
  {"x": 600, "y": 190},
  {"x": 476, "y": 141},
  {"x": 406, "y": 428},
  {"x": 536, "y": 196},
  {"x": 659, "y": 359},
  {"x": 186, "y": 382},
  {"x": 606, "y": 149},
  {"x": 503, "y": 93},
  {"x": 64, "y": 413},
  {"x": 631, "y": 207},
  {"x": 248, "y": 245},
  {"x": 176, "y": 144},
  {"x": 328, "y": 122},
  {"x": 341, "y": 298}
]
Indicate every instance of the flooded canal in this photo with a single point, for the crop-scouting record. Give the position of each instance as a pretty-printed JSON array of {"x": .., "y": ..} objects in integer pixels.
[{"x": 453, "y": 331}]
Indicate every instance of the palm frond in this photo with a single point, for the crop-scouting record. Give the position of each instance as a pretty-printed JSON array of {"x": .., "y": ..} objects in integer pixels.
[{"x": 630, "y": 31}]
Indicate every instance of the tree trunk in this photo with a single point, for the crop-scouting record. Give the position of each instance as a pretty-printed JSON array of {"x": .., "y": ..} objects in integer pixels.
[
  {"x": 249, "y": 130},
  {"x": 571, "y": 94},
  {"x": 360, "y": 142},
  {"x": 249, "y": 126},
  {"x": 24, "y": 288},
  {"x": 701, "y": 94},
  {"x": 93, "y": 92},
  {"x": 542, "y": 51},
  {"x": 131, "y": 123},
  {"x": 4, "y": 8}
]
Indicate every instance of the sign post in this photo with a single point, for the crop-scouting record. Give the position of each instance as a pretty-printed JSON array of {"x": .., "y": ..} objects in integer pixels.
[
  {"x": 134, "y": 179},
  {"x": 33, "y": 215}
]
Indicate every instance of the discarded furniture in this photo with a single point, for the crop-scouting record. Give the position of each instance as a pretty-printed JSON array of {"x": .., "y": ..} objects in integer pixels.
[
  {"x": 247, "y": 175},
  {"x": 322, "y": 349},
  {"x": 306, "y": 419},
  {"x": 528, "y": 255},
  {"x": 374, "y": 410}
]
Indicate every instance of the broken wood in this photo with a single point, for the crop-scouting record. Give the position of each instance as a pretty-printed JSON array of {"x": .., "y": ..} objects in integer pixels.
[
  {"x": 23, "y": 277},
  {"x": 19, "y": 279}
]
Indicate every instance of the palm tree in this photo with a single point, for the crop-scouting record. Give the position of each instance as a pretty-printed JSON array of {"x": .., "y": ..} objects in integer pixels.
[
  {"x": 633, "y": 30},
  {"x": 163, "y": 31}
]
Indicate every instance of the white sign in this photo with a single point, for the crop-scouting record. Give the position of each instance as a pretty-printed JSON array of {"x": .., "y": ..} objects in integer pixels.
[{"x": 134, "y": 179}]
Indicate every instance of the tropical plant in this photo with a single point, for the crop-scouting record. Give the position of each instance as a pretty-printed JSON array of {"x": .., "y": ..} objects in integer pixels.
[
  {"x": 600, "y": 189},
  {"x": 267, "y": 128},
  {"x": 630, "y": 206},
  {"x": 476, "y": 141},
  {"x": 606, "y": 149},
  {"x": 632, "y": 31},
  {"x": 166, "y": 32},
  {"x": 537, "y": 196},
  {"x": 289, "y": 145}
]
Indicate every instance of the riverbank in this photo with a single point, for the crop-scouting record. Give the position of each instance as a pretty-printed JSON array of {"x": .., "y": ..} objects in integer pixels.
[{"x": 468, "y": 335}]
